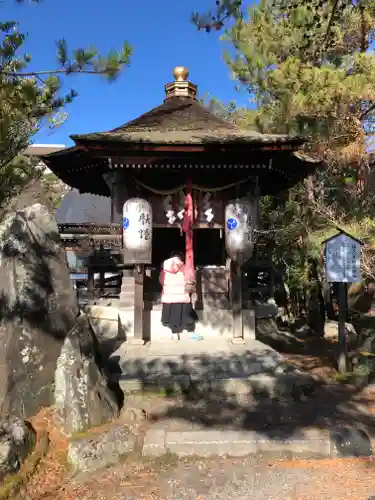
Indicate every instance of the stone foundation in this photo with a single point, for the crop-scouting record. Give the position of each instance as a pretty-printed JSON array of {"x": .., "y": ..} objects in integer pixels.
[{"x": 212, "y": 323}]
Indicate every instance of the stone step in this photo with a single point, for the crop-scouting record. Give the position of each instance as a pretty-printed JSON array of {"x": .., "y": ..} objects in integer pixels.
[
  {"x": 126, "y": 303},
  {"x": 127, "y": 281},
  {"x": 127, "y": 292},
  {"x": 255, "y": 386},
  {"x": 306, "y": 443},
  {"x": 176, "y": 372}
]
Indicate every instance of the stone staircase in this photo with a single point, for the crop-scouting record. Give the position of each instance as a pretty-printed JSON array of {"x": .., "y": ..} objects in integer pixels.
[
  {"x": 127, "y": 290},
  {"x": 253, "y": 370}
]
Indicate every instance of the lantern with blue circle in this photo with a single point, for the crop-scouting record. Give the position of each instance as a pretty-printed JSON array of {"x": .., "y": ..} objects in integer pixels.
[
  {"x": 137, "y": 230},
  {"x": 240, "y": 222}
]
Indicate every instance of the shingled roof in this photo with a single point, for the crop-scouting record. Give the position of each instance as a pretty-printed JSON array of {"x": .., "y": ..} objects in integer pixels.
[
  {"x": 180, "y": 133},
  {"x": 84, "y": 208},
  {"x": 182, "y": 120}
]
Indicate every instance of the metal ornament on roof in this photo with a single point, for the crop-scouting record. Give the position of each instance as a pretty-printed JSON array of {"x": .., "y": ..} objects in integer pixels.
[
  {"x": 137, "y": 230},
  {"x": 240, "y": 227}
]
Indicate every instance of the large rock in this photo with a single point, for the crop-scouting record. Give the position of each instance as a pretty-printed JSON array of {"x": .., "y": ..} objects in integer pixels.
[
  {"x": 101, "y": 450},
  {"x": 331, "y": 331},
  {"x": 82, "y": 396},
  {"x": 38, "y": 308},
  {"x": 17, "y": 439}
]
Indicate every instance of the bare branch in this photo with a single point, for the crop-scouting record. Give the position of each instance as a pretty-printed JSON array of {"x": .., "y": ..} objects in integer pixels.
[
  {"x": 52, "y": 72},
  {"x": 367, "y": 111},
  {"x": 330, "y": 22}
]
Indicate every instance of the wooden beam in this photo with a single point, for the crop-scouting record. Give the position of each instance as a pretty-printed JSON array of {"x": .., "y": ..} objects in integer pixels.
[
  {"x": 139, "y": 276},
  {"x": 90, "y": 283},
  {"x": 271, "y": 281},
  {"x": 101, "y": 270},
  {"x": 100, "y": 148},
  {"x": 91, "y": 229},
  {"x": 236, "y": 293},
  {"x": 342, "y": 358}
]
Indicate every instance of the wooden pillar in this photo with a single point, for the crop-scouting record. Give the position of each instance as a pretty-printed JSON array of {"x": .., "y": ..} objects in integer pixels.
[
  {"x": 90, "y": 281},
  {"x": 139, "y": 278},
  {"x": 342, "y": 359},
  {"x": 118, "y": 196},
  {"x": 101, "y": 270},
  {"x": 271, "y": 270},
  {"x": 236, "y": 287}
]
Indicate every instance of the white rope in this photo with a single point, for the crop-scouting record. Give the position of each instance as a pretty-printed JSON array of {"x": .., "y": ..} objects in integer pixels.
[
  {"x": 166, "y": 192},
  {"x": 162, "y": 192}
]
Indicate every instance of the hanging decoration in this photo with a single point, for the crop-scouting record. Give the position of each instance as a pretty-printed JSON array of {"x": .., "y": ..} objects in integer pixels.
[
  {"x": 240, "y": 223},
  {"x": 188, "y": 230},
  {"x": 174, "y": 207},
  {"x": 169, "y": 211},
  {"x": 207, "y": 209},
  {"x": 137, "y": 225},
  {"x": 181, "y": 206}
]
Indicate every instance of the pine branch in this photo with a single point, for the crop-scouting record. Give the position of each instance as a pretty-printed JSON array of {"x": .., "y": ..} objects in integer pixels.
[
  {"x": 331, "y": 21},
  {"x": 225, "y": 10},
  {"x": 84, "y": 62},
  {"x": 52, "y": 72},
  {"x": 367, "y": 111}
]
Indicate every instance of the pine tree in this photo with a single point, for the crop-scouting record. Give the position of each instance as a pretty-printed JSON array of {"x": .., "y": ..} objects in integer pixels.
[
  {"x": 310, "y": 67},
  {"x": 29, "y": 99}
]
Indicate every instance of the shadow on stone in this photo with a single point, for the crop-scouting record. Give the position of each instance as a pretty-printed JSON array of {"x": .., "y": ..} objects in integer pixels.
[
  {"x": 83, "y": 396},
  {"x": 245, "y": 391},
  {"x": 38, "y": 308}
]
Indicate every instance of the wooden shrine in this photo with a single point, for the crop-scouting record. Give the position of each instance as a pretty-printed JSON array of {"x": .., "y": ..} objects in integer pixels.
[{"x": 175, "y": 151}]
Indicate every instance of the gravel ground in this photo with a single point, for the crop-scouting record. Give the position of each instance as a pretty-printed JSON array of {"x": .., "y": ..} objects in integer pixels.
[
  {"x": 225, "y": 479},
  {"x": 220, "y": 478},
  {"x": 248, "y": 479}
]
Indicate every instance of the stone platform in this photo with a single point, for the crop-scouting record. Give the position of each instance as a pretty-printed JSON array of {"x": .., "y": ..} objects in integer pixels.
[
  {"x": 208, "y": 364},
  {"x": 212, "y": 397},
  {"x": 211, "y": 364}
]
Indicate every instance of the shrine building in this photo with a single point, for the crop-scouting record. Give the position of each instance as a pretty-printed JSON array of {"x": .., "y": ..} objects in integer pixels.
[{"x": 178, "y": 178}]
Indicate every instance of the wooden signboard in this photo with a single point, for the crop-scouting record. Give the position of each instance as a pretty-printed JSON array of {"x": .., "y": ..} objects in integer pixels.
[
  {"x": 343, "y": 259},
  {"x": 342, "y": 262}
]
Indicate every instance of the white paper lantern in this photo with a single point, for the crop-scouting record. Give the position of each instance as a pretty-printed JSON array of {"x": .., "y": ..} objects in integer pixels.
[
  {"x": 137, "y": 225},
  {"x": 240, "y": 222}
]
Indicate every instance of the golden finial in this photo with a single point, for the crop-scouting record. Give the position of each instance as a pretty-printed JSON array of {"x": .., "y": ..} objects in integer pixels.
[
  {"x": 181, "y": 87},
  {"x": 180, "y": 73}
]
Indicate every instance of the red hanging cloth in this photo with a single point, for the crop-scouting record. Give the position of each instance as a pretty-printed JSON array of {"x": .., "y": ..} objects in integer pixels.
[{"x": 187, "y": 227}]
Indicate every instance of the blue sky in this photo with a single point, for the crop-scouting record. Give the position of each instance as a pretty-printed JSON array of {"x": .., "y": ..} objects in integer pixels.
[{"x": 162, "y": 37}]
